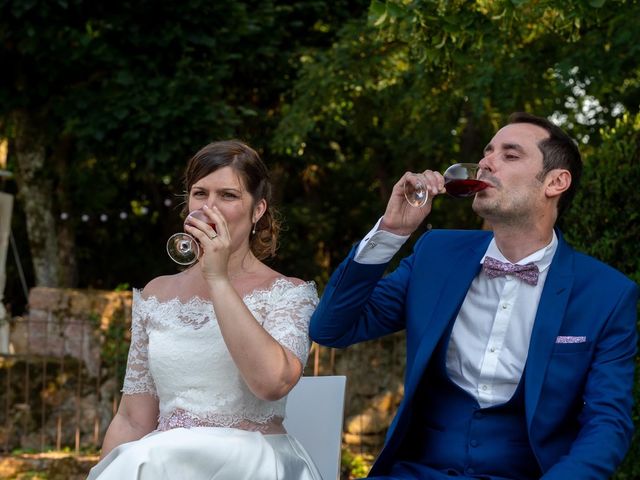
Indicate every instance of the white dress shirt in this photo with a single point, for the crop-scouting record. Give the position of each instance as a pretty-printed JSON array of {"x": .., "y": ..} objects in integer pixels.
[{"x": 489, "y": 343}]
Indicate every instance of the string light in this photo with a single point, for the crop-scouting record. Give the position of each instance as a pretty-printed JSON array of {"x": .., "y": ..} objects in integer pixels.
[{"x": 122, "y": 215}]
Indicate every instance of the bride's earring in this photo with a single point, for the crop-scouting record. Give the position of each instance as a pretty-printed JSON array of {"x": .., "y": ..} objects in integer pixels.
[{"x": 253, "y": 232}]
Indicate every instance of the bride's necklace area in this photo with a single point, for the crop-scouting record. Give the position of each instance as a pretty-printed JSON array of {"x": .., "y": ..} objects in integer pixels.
[
  {"x": 246, "y": 267},
  {"x": 250, "y": 261}
]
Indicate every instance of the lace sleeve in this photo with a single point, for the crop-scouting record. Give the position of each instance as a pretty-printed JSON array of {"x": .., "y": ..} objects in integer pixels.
[
  {"x": 137, "y": 378},
  {"x": 288, "y": 319}
]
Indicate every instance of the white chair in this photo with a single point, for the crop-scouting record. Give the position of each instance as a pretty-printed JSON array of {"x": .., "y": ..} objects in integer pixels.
[{"x": 314, "y": 415}]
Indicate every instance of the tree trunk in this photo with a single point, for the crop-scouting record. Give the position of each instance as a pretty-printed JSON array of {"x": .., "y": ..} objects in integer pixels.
[
  {"x": 35, "y": 193},
  {"x": 66, "y": 231}
]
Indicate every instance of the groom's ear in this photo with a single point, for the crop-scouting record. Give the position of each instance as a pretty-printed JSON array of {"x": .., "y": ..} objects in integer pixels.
[{"x": 556, "y": 182}]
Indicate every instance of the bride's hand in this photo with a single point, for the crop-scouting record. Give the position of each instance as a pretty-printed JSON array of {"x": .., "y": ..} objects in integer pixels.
[{"x": 215, "y": 244}]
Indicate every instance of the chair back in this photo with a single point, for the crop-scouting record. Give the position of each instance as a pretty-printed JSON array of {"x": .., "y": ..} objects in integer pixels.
[{"x": 314, "y": 416}]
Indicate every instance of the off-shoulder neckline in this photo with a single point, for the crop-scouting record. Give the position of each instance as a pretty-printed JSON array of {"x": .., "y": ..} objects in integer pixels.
[{"x": 280, "y": 281}]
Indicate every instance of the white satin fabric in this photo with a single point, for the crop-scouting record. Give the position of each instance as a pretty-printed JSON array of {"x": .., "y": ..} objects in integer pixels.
[{"x": 208, "y": 453}]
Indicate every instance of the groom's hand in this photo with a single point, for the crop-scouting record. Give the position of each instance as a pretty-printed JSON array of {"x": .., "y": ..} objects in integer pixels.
[{"x": 402, "y": 218}]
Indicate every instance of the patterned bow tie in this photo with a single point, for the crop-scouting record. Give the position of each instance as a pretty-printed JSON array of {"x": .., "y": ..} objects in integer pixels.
[{"x": 495, "y": 268}]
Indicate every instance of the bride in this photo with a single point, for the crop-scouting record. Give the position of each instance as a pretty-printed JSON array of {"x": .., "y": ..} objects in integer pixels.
[{"x": 216, "y": 348}]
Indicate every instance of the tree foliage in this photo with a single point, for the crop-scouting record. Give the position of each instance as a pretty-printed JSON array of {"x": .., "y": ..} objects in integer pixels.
[
  {"x": 604, "y": 218},
  {"x": 120, "y": 99},
  {"x": 422, "y": 84}
]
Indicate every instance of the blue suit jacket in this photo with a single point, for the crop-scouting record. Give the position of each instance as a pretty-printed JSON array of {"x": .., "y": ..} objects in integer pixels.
[{"x": 578, "y": 396}]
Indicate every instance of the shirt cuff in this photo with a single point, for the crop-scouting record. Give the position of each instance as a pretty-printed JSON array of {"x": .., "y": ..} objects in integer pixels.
[{"x": 379, "y": 246}]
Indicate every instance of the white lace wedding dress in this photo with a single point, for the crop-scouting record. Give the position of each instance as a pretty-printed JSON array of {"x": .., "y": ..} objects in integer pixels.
[{"x": 210, "y": 425}]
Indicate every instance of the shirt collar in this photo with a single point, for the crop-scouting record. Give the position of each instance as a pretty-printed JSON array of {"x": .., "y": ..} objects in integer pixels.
[{"x": 542, "y": 258}]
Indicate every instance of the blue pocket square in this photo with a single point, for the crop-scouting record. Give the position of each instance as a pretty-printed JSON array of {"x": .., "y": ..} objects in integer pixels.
[{"x": 571, "y": 339}]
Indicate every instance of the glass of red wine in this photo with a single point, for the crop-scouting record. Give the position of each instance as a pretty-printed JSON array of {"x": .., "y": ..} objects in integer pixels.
[
  {"x": 182, "y": 247},
  {"x": 460, "y": 181}
]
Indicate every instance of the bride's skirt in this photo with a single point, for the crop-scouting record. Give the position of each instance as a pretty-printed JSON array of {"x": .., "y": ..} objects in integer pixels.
[{"x": 207, "y": 453}]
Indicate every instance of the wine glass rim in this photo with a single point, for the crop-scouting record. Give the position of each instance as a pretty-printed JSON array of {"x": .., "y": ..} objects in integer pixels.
[
  {"x": 465, "y": 164},
  {"x": 455, "y": 171},
  {"x": 197, "y": 211}
]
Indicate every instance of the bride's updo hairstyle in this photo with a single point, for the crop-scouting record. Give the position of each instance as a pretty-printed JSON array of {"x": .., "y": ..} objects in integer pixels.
[{"x": 254, "y": 173}]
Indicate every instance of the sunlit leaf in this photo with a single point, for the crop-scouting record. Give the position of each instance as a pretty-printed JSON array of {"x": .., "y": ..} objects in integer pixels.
[{"x": 377, "y": 12}]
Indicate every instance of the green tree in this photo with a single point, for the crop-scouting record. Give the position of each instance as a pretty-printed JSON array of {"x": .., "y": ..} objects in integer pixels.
[
  {"x": 94, "y": 88},
  {"x": 103, "y": 103},
  {"x": 422, "y": 84}
]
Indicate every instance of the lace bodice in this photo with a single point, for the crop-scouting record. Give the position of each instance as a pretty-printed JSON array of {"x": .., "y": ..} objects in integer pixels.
[{"x": 177, "y": 353}]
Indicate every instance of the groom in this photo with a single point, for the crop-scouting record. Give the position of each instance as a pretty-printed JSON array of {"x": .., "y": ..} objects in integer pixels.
[{"x": 520, "y": 351}]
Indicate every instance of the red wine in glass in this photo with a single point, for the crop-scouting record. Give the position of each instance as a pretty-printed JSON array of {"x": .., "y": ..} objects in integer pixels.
[
  {"x": 182, "y": 247},
  {"x": 460, "y": 180},
  {"x": 464, "y": 188}
]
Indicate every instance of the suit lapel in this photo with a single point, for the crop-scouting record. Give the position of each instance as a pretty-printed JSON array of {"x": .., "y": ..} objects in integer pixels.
[{"x": 549, "y": 318}]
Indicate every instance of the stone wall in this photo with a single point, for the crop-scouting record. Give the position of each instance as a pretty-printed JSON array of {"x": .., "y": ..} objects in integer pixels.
[
  {"x": 69, "y": 322},
  {"x": 61, "y": 379}
]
